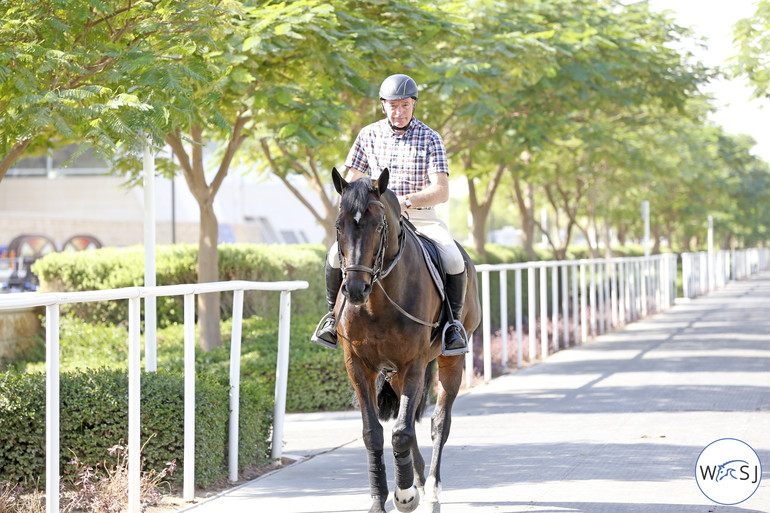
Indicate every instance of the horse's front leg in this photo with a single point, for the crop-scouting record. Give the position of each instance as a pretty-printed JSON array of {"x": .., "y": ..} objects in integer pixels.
[
  {"x": 406, "y": 497},
  {"x": 450, "y": 369},
  {"x": 364, "y": 384}
]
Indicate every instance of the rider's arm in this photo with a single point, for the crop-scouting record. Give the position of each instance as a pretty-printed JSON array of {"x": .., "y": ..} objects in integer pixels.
[
  {"x": 353, "y": 175},
  {"x": 437, "y": 192}
]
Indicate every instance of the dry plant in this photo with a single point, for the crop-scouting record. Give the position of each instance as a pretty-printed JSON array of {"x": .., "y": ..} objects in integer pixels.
[
  {"x": 101, "y": 488},
  {"x": 14, "y": 499}
]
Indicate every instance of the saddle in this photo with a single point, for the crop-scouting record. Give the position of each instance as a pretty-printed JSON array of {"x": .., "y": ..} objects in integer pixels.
[{"x": 432, "y": 259}]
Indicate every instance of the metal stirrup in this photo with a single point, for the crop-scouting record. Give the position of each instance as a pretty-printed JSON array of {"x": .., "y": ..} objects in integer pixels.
[{"x": 461, "y": 329}]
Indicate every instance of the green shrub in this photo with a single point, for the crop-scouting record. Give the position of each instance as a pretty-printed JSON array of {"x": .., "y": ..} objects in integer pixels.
[
  {"x": 109, "y": 268},
  {"x": 317, "y": 378},
  {"x": 94, "y": 417}
]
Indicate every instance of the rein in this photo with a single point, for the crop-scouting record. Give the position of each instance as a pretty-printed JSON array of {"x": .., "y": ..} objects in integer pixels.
[{"x": 376, "y": 271}]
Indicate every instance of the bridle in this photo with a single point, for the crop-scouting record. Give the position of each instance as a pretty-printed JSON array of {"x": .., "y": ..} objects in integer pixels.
[{"x": 378, "y": 270}]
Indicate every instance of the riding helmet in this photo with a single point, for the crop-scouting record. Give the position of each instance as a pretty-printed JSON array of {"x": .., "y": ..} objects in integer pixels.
[{"x": 398, "y": 87}]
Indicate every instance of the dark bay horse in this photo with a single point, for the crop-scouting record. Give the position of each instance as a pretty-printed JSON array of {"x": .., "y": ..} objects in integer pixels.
[{"x": 387, "y": 313}]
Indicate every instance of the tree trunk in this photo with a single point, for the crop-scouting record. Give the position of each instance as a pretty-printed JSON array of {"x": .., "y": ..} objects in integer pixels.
[
  {"x": 208, "y": 255},
  {"x": 13, "y": 155},
  {"x": 656, "y": 236},
  {"x": 607, "y": 239},
  {"x": 208, "y": 271},
  {"x": 480, "y": 209},
  {"x": 525, "y": 199}
]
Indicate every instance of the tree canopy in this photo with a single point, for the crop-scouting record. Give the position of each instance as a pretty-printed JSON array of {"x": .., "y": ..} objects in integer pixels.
[{"x": 585, "y": 108}]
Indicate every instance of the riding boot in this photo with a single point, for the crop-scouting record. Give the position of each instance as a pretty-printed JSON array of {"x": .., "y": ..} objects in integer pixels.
[
  {"x": 455, "y": 341},
  {"x": 326, "y": 331}
]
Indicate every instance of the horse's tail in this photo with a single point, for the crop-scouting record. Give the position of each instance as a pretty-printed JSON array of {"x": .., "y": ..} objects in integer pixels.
[{"x": 388, "y": 401}]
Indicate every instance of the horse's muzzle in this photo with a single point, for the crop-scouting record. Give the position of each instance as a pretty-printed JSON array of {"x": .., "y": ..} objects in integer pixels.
[{"x": 356, "y": 290}]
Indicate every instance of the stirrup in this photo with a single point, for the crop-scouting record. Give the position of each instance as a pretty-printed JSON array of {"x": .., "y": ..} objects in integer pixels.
[
  {"x": 454, "y": 352},
  {"x": 321, "y": 341}
]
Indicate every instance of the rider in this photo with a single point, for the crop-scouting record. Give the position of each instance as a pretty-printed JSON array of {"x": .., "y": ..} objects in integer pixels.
[{"x": 416, "y": 158}]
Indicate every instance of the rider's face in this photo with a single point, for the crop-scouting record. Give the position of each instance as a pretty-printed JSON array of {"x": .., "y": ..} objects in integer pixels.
[{"x": 399, "y": 112}]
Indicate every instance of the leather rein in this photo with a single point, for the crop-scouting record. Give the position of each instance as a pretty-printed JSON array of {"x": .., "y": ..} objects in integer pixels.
[{"x": 378, "y": 270}]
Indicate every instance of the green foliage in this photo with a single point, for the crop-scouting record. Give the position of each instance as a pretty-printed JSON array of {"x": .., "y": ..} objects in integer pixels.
[
  {"x": 65, "y": 68},
  {"x": 753, "y": 38},
  {"x": 94, "y": 410},
  {"x": 317, "y": 378},
  {"x": 108, "y": 268}
]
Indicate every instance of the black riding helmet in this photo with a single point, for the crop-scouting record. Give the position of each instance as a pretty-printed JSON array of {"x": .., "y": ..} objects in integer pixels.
[{"x": 398, "y": 87}]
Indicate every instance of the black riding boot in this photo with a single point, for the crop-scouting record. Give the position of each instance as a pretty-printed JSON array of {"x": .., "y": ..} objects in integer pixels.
[
  {"x": 326, "y": 331},
  {"x": 455, "y": 341}
]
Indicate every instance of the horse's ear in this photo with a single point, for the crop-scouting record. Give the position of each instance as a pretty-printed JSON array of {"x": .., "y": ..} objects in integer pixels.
[
  {"x": 339, "y": 182},
  {"x": 382, "y": 182}
]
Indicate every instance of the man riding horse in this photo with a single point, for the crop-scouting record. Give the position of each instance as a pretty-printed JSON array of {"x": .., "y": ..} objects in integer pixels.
[{"x": 416, "y": 157}]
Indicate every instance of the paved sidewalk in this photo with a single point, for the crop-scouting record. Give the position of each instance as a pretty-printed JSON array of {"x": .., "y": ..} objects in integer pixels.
[{"x": 613, "y": 426}]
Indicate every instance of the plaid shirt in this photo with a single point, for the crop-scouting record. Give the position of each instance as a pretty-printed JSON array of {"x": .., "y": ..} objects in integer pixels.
[{"x": 410, "y": 157}]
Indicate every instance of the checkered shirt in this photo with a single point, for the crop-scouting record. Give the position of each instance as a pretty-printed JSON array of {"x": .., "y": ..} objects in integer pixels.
[{"x": 410, "y": 157}]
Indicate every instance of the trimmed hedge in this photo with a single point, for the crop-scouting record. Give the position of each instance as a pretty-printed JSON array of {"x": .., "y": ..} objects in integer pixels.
[
  {"x": 317, "y": 379},
  {"x": 108, "y": 268},
  {"x": 94, "y": 417}
]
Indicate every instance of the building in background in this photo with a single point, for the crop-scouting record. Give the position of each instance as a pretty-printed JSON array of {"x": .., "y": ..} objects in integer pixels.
[{"x": 38, "y": 196}]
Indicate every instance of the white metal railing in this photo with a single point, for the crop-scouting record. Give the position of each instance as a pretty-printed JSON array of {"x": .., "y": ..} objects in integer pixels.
[
  {"x": 705, "y": 271},
  {"x": 52, "y": 301},
  {"x": 594, "y": 294}
]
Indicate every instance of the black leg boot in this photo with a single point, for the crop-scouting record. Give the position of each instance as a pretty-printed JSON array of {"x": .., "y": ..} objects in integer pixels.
[
  {"x": 326, "y": 331},
  {"x": 455, "y": 339}
]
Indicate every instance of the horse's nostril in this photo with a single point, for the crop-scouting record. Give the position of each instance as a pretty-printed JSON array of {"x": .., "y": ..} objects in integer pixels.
[{"x": 367, "y": 289}]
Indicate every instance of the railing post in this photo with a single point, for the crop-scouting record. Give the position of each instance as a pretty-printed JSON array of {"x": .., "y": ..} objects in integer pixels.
[
  {"x": 235, "y": 383},
  {"x": 592, "y": 293},
  {"x": 583, "y": 304},
  {"x": 281, "y": 374},
  {"x": 188, "y": 490},
  {"x": 565, "y": 303},
  {"x": 575, "y": 298},
  {"x": 555, "y": 306},
  {"x": 602, "y": 307},
  {"x": 643, "y": 283},
  {"x": 52, "y": 400},
  {"x": 613, "y": 294},
  {"x": 487, "y": 326},
  {"x": 519, "y": 337},
  {"x": 134, "y": 413},
  {"x": 503, "y": 321},
  {"x": 543, "y": 313},
  {"x": 621, "y": 293},
  {"x": 531, "y": 319}
]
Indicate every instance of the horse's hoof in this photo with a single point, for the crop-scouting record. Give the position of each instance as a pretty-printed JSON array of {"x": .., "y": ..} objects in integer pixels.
[{"x": 406, "y": 500}]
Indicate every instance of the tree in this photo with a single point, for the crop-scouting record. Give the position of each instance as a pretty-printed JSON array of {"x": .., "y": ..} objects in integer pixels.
[
  {"x": 335, "y": 95},
  {"x": 753, "y": 58},
  {"x": 61, "y": 65},
  {"x": 235, "y": 87}
]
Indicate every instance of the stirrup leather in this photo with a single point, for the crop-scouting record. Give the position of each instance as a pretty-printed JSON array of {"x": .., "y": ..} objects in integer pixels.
[
  {"x": 321, "y": 341},
  {"x": 461, "y": 329}
]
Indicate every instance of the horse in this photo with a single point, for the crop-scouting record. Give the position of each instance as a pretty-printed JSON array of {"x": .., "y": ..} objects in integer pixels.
[{"x": 388, "y": 314}]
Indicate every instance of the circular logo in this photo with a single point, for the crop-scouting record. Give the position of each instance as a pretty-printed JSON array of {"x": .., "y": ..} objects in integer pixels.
[{"x": 728, "y": 471}]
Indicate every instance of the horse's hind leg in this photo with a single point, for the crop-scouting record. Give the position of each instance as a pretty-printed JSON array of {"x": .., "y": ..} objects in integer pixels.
[
  {"x": 418, "y": 465},
  {"x": 450, "y": 369}
]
